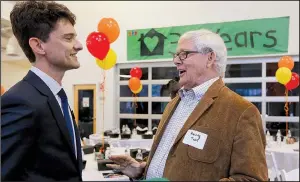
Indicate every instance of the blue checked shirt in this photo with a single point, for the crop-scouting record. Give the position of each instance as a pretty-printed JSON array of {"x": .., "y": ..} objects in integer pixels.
[{"x": 188, "y": 102}]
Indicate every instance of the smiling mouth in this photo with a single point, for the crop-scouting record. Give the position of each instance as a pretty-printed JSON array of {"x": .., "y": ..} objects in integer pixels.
[
  {"x": 73, "y": 55},
  {"x": 181, "y": 72}
]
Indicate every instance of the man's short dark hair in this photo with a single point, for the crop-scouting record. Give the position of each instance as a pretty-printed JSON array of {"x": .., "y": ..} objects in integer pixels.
[{"x": 37, "y": 19}]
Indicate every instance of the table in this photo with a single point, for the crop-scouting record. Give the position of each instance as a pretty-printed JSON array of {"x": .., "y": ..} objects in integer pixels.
[
  {"x": 285, "y": 155},
  {"x": 293, "y": 175},
  {"x": 91, "y": 173},
  {"x": 131, "y": 143},
  {"x": 135, "y": 142}
]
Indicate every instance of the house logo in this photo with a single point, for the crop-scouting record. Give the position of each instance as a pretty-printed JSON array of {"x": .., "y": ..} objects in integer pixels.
[{"x": 152, "y": 43}]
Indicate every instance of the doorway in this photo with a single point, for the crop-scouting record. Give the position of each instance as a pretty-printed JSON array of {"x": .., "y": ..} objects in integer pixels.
[{"x": 85, "y": 109}]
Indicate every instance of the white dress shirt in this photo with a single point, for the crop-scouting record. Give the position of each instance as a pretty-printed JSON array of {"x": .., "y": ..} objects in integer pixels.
[{"x": 55, "y": 87}]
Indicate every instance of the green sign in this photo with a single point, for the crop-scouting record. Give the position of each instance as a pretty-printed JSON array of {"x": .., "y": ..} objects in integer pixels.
[{"x": 242, "y": 38}]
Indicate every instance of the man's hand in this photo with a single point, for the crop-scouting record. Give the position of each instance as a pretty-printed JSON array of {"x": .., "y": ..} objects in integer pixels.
[{"x": 127, "y": 165}]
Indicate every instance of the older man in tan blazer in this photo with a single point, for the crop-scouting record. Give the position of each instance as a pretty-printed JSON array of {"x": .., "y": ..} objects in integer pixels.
[{"x": 207, "y": 132}]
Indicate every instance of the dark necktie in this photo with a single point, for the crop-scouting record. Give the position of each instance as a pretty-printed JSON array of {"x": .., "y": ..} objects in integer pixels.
[{"x": 65, "y": 108}]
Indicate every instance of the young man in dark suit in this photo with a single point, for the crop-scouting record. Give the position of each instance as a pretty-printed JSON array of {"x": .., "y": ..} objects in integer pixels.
[{"x": 40, "y": 139}]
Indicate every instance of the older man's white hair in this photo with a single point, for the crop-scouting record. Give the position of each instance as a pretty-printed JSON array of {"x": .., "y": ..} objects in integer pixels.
[{"x": 207, "y": 41}]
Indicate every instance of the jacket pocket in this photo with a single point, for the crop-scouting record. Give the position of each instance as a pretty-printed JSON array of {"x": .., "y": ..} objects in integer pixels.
[{"x": 211, "y": 149}]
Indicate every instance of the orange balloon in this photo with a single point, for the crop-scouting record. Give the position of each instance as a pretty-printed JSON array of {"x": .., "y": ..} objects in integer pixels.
[
  {"x": 2, "y": 89},
  {"x": 110, "y": 28},
  {"x": 286, "y": 61},
  {"x": 137, "y": 91},
  {"x": 134, "y": 83}
]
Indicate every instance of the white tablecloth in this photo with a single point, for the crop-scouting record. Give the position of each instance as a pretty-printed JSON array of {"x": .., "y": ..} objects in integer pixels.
[
  {"x": 293, "y": 175},
  {"x": 135, "y": 142},
  {"x": 91, "y": 173},
  {"x": 132, "y": 143},
  {"x": 285, "y": 155}
]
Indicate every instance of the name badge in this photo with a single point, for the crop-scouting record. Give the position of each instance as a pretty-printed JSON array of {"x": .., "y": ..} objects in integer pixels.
[{"x": 195, "y": 139}]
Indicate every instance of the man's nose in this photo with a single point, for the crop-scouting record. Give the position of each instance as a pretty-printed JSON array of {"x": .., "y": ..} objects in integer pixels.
[
  {"x": 78, "y": 46},
  {"x": 177, "y": 62}
]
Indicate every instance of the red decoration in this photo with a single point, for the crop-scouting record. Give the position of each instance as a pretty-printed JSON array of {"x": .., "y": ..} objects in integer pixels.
[
  {"x": 98, "y": 44},
  {"x": 136, "y": 72},
  {"x": 294, "y": 82}
]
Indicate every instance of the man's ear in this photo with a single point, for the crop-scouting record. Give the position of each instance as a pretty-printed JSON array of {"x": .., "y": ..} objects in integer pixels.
[
  {"x": 36, "y": 46},
  {"x": 211, "y": 59}
]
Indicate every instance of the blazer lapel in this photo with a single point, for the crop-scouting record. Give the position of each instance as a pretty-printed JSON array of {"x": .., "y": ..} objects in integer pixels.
[
  {"x": 78, "y": 142},
  {"x": 39, "y": 84},
  {"x": 61, "y": 122},
  {"x": 162, "y": 126},
  {"x": 206, "y": 101},
  {"x": 166, "y": 118}
]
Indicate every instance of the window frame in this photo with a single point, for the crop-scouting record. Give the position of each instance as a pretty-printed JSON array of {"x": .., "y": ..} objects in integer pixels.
[{"x": 263, "y": 99}]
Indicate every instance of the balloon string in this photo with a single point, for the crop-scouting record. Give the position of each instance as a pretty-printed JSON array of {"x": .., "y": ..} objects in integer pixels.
[
  {"x": 102, "y": 87},
  {"x": 135, "y": 105},
  {"x": 286, "y": 108}
]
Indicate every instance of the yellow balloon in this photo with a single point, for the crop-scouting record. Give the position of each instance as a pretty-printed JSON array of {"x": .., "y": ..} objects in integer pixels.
[
  {"x": 138, "y": 90},
  {"x": 283, "y": 75},
  {"x": 109, "y": 61}
]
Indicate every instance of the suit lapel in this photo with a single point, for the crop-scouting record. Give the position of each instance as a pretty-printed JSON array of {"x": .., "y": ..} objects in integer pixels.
[
  {"x": 166, "y": 118},
  {"x": 61, "y": 122},
  {"x": 162, "y": 126},
  {"x": 39, "y": 84},
  {"x": 78, "y": 142}
]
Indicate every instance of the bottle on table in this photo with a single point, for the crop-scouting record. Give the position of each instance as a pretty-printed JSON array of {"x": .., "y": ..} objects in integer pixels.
[
  {"x": 107, "y": 153},
  {"x": 278, "y": 137},
  {"x": 127, "y": 151},
  {"x": 139, "y": 155}
]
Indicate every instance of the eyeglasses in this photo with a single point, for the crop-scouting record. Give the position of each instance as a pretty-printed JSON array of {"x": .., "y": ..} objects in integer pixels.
[{"x": 184, "y": 54}]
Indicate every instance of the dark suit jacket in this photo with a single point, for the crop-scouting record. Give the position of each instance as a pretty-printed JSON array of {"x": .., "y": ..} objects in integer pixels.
[
  {"x": 235, "y": 144},
  {"x": 35, "y": 142}
]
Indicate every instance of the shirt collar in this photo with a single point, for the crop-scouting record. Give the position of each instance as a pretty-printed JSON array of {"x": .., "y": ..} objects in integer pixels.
[
  {"x": 49, "y": 81},
  {"x": 198, "y": 91}
]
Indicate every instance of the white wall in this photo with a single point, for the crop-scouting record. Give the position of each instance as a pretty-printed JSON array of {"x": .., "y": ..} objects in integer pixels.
[
  {"x": 13, "y": 72},
  {"x": 148, "y": 14},
  {"x": 6, "y": 7}
]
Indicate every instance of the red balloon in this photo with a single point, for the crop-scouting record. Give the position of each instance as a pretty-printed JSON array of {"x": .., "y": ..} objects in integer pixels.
[
  {"x": 98, "y": 44},
  {"x": 136, "y": 72},
  {"x": 294, "y": 82}
]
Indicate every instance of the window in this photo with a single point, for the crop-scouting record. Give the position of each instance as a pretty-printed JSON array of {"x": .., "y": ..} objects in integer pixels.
[
  {"x": 277, "y": 109},
  {"x": 252, "y": 78},
  {"x": 157, "y": 90},
  {"x": 158, "y": 107},
  {"x": 126, "y": 92},
  {"x": 127, "y": 72},
  {"x": 246, "y": 89},
  {"x": 142, "y": 123},
  {"x": 159, "y": 73},
  {"x": 134, "y": 107},
  {"x": 243, "y": 70},
  {"x": 272, "y": 68},
  {"x": 274, "y": 126},
  {"x": 277, "y": 89}
]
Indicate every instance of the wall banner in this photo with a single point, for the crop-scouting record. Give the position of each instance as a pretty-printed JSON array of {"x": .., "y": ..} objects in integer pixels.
[{"x": 242, "y": 38}]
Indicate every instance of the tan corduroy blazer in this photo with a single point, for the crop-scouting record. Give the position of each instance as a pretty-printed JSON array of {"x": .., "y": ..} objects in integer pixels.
[{"x": 235, "y": 144}]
